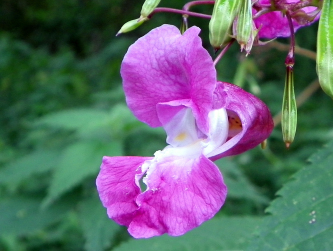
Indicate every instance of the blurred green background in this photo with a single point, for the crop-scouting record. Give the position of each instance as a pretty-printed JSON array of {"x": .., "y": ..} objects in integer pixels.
[{"x": 62, "y": 108}]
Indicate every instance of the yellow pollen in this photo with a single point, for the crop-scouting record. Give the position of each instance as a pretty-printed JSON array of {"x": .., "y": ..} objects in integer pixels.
[
  {"x": 234, "y": 123},
  {"x": 181, "y": 136}
]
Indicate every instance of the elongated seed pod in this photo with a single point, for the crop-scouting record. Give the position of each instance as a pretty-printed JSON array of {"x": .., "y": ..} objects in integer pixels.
[
  {"x": 325, "y": 48},
  {"x": 289, "y": 109},
  {"x": 220, "y": 25},
  {"x": 244, "y": 23},
  {"x": 148, "y": 7}
]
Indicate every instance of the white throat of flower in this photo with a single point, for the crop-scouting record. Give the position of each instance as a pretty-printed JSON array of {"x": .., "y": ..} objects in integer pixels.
[
  {"x": 185, "y": 139},
  {"x": 187, "y": 142}
]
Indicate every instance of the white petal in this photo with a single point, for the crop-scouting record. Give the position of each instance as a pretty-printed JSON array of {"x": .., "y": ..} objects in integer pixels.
[{"x": 218, "y": 131}]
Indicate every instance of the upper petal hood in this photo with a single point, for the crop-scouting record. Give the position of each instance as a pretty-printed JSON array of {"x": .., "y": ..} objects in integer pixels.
[
  {"x": 257, "y": 122},
  {"x": 164, "y": 66}
]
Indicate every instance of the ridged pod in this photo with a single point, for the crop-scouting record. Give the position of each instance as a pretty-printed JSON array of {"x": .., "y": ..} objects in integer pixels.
[
  {"x": 289, "y": 109},
  {"x": 325, "y": 48},
  {"x": 244, "y": 23},
  {"x": 148, "y": 7},
  {"x": 220, "y": 25}
]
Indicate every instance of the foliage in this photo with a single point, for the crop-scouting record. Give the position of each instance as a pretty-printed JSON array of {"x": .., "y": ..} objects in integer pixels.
[{"x": 62, "y": 108}]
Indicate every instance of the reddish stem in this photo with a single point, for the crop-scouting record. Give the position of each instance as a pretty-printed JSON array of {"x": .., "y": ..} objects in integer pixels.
[
  {"x": 187, "y": 8},
  {"x": 183, "y": 12},
  {"x": 225, "y": 49},
  {"x": 290, "y": 59},
  {"x": 282, "y": 6}
]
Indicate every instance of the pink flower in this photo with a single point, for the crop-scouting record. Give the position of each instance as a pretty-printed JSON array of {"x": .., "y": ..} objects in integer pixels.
[
  {"x": 275, "y": 24},
  {"x": 170, "y": 81}
]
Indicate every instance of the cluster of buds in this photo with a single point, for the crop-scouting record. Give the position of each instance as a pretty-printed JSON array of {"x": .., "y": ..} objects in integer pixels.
[
  {"x": 233, "y": 20},
  {"x": 147, "y": 8}
]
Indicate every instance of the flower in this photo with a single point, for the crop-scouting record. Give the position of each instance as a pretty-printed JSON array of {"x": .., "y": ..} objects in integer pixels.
[
  {"x": 275, "y": 24},
  {"x": 169, "y": 80}
]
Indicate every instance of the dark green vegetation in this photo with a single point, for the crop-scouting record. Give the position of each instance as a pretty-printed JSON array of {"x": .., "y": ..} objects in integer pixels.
[{"x": 62, "y": 108}]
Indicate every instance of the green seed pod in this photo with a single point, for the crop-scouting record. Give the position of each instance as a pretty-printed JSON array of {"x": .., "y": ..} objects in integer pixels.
[
  {"x": 244, "y": 23},
  {"x": 148, "y": 7},
  {"x": 220, "y": 25},
  {"x": 289, "y": 109},
  {"x": 131, "y": 25},
  {"x": 325, "y": 48}
]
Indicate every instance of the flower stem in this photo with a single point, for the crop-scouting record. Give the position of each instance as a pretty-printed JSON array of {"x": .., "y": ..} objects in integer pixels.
[
  {"x": 290, "y": 59},
  {"x": 183, "y": 12},
  {"x": 187, "y": 8},
  {"x": 283, "y": 6},
  {"x": 225, "y": 49},
  {"x": 298, "y": 50}
]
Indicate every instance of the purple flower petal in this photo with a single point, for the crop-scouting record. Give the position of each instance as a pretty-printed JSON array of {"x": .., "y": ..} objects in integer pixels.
[
  {"x": 182, "y": 193},
  {"x": 165, "y": 66},
  {"x": 275, "y": 24},
  {"x": 118, "y": 187},
  {"x": 257, "y": 123}
]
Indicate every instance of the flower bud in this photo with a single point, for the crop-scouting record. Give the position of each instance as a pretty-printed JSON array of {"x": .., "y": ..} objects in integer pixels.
[
  {"x": 131, "y": 25},
  {"x": 289, "y": 109},
  {"x": 244, "y": 24},
  {"x": 325, "y": 48},
  {"x": 148, "y": 7},
  {"x": 220, "y": 25}
]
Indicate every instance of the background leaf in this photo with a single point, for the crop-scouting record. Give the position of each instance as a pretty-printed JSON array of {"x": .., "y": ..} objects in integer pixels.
[
  {"x": 239, "y": 187},
  {"x": 22, "y": 168},
  {"x": 22, "y": 215},
  {"x": 79, "y": 161},
  {"x": 73, "y": 119},
  {"x": 220, "y": 233},
  {"x": 98, "y": 229},
  {"x": 302, "y": 217}
]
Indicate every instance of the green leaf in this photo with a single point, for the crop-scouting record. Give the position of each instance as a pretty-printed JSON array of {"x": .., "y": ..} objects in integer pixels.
[
  {"x": 220, "y": 233},
  {"x": 239, "y": 187},
  {"x": 98, "y": 229},
  {"x": 22, "y": 168},
  {"x": 302, "y": 217},
  {"x": 90, "y": 123},
  {"x": 22, "y": 215},
  {"x": 73, "y": 119},
  {"x": 79, "y": 161}
]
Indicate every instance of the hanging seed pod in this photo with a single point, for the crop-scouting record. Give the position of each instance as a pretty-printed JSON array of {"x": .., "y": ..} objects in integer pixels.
[
  {"x": 325, "y": 48},
  {"x": 244, "y": 24},
  {"x": 148, "y": 7},
  {"x": 220, "y": 25},
  {"x": 289, "y": 109}
]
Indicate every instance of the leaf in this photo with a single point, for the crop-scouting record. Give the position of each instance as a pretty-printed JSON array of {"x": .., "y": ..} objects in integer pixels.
[
  {"x": 79, "y": 161},
  {"x": 98, "y": 229},
  {"x": 73, "y": 119},
  {"x": 37, "y": 162},
  {"x": 239, "y": 187},
  {"x": 302, "y": 217},
  {"x": 220, "y": 233},
  {"x": 22, "y": 215},
  {"x": 91, "y": 123}
]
